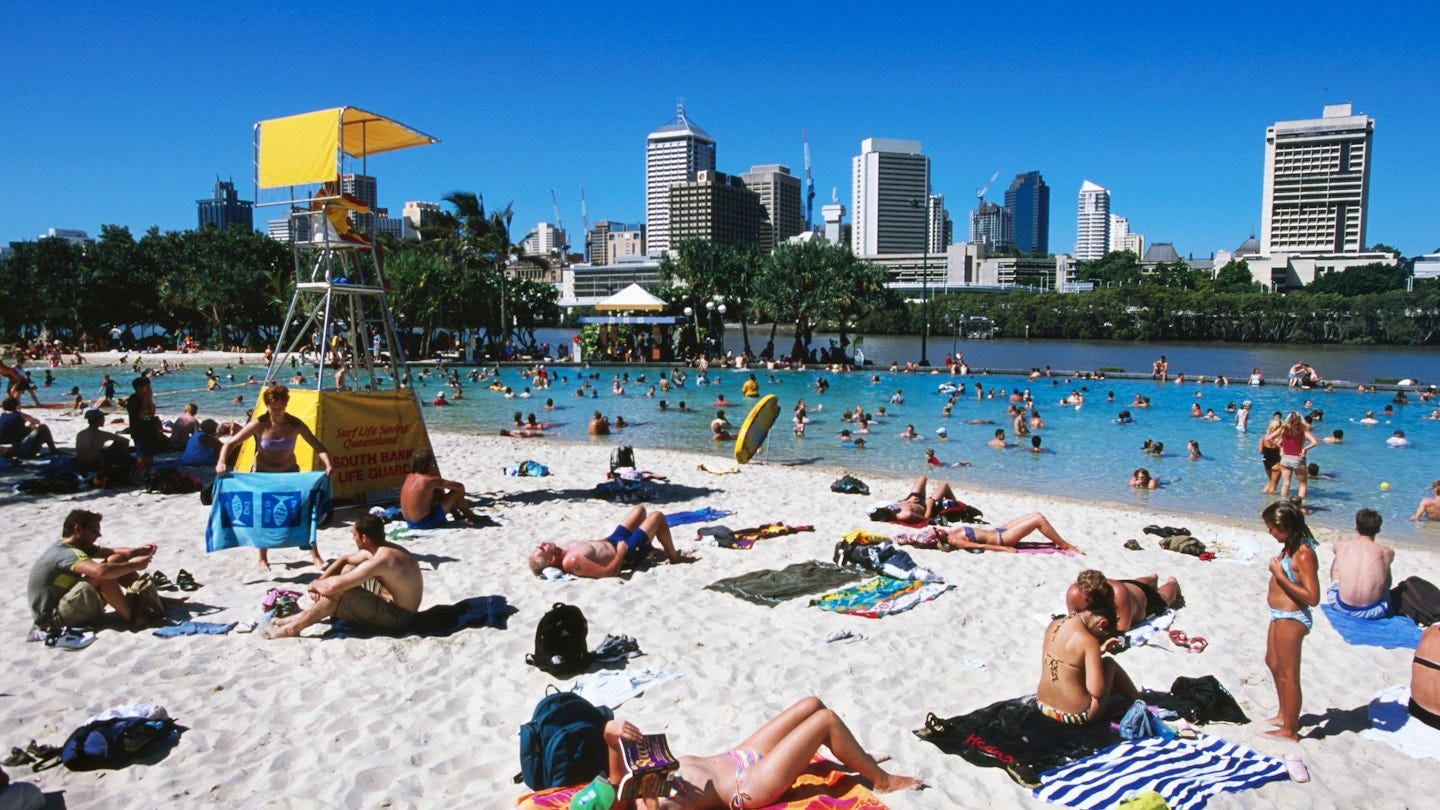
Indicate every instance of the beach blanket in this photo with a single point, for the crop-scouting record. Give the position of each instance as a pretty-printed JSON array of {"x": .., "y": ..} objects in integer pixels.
[
  {"x": 1014, "y": 735},
  {"x": 822, "y": 786},
  {"x": 770, "y": 588},
  {"x": 1391, "y": 723},
  {"x": 267, "y": 510},
  {"x": 1186, "y": 773},
  {"x": 1393, "y": 632},
  {"x": 195, "y": 629},
  {"x": 439, "y": 620},
  {"x": 880, "y": 597},
  {"x": 696, "y": 516},
  {"x": 611, "y": 687}
]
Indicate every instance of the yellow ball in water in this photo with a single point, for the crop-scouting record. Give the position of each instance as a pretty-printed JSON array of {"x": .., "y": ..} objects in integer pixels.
[{"x": 1384, "y": 484}]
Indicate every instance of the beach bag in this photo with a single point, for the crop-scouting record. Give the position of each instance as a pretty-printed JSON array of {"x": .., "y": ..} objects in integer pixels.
[
  {"x": 113, "y": 743},
  {"x": 560, "y": 646},
  {"x": 1417, "y": 599},
  {"x": 622, "y": 456},
  {"x": 170, "y": 481},
  {"x": 564, "y": 742},
  {"x": 1183, "y": 543},
  {"x": 148, "y": 607},
  {"x": 850, "y": 485}
]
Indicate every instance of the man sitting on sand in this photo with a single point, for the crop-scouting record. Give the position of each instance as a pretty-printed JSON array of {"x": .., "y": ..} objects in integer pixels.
[
  {"x": 426, "y": 499},
  {"x": 75, "y": 579},
  {"x": 627, "y": 546},
  {"x": 96, "y": 447},
  {"x": 376, "y": 589},
  {"x": 1136, "y": 600},
  {"x": 1360, "y": 574},
  {"x": 24, "y": 433}
]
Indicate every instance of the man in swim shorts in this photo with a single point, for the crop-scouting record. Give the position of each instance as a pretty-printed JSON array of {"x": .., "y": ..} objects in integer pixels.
[
  {"x": 1360, "y": 574},
  {"x": 627, "y": 546},
  {"x": 426, "y": 499},
  {"x": 377, "y": 588},
  {"x": 1136, "y": 600}
]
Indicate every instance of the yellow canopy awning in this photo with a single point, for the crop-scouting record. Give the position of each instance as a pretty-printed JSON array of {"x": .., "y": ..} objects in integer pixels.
[{"x": 307, "y": 148}]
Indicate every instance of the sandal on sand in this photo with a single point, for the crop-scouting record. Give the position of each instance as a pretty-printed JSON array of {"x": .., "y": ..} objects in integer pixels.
[
  {"x": 1296, "y": 768},
  {"x": 16, "y": 758},
  {"x": 1197, "y": 644},
  {"x": 286, "y": 606},
  {"x": 1179, "y": 639},
  {"x": 1132, "y": 544},
  {"x": 162, "y": 582},
  {"x": 186, "y": 581}
]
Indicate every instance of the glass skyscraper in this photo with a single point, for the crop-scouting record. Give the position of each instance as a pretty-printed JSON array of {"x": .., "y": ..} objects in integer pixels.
[{"x": 1028, "y": 200}]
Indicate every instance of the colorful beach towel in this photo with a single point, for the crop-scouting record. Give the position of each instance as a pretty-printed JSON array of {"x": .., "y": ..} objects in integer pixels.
[
  {"x": 1186, "y": 773},
  {"x": 822, "y": 786},
  {"x": 1394, "y": 632},
  {"x": 440, "y": 620},
  {"x": 770, "y": 588},
  {"x": 881, "y": 597},
  {"x": 1391, "y": 723},
  {"x": 267, "y": 510}
]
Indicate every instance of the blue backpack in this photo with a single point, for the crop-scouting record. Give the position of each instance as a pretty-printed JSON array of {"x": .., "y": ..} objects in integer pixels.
[
  {"x": 564, "y": 742},
  {"x": 113, "y": 743}
]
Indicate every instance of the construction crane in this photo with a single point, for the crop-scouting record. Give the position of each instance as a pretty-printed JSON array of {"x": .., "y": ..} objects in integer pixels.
[
  {"x": 809, "y": 182},
  {"x": 980, "y": 192}
]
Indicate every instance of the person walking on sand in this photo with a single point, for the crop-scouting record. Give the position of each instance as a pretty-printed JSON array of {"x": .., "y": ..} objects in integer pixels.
[{"x": 1294, "y": 590}]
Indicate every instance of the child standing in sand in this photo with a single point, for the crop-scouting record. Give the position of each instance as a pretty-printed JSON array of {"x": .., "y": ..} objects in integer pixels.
[{"x": 1294, "y": 589}]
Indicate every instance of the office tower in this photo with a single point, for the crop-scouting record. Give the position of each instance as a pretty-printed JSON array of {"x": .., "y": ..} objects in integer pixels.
[
  {"x": 1028, "y": 200},
  {"x": 1122, "y": 239},
  {"x": 1317, "y": 183},
  {"x": 623, "y": 239},
  {"x": 991, "y": 227},
  {"x": 225, "y": 208},
  {"x": 545, "y": 240},
  {"x": 287, "y": 229},
  {"x": 715, "y": 207},
  {"x": 1092, "y": 224},
  {"x": 780, "y": 197},
  {"x": 674, "y": 153},
  {"x": 595, "y": 240},
  {"x": 419, "y": 214},
  {"x": 890, "y": 193},
  {"x": 836, "y": 231},
  {"x": 363, "y": 188},
  {"x": 938, "y": 224}
]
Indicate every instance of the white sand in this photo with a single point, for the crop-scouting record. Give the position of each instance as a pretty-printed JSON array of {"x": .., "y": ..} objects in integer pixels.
[{"x": 433, "y": 722}]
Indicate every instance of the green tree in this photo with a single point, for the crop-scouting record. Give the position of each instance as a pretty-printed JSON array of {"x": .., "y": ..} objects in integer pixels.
[
  {"x": 1235, "y": 277},
  {"x": 1119, "y": 267},
  {"x": 1362, "y": 279}
]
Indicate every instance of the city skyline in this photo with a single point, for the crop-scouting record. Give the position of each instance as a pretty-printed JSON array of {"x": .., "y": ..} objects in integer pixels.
[{"x": 1171, "y": 120}]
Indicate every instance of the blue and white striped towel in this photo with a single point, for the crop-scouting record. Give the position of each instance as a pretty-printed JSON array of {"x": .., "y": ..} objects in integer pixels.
[{"x": 1187, "y": 773}]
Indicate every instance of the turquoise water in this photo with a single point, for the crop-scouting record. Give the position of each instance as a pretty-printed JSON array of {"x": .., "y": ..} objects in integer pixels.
[{"x": 1086, "y": 455}]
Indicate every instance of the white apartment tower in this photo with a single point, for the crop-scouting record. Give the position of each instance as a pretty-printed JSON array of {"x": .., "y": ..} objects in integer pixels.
[
  {"x": 1092, "y": 223},
  {"x": 674, "y": 154},
  {"x": 890, "y": 198},
  {"x": 1317, "y": 183}
]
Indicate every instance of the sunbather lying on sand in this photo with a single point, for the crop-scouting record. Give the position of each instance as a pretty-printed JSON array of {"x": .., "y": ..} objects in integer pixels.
[
  {"x": 759, "y": 770},
  {"x": 628, "y": 546},
  {"x": 916, "y": 506},
  {"x": 1135, "y": 599},
  {"x": 991, "y": 538}
]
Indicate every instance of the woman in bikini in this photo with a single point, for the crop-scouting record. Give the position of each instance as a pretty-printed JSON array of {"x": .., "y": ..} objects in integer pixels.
[
  {"x": 1425, "y": 679},
  {"x": 1077, "y": 683},
  {"x": 762, "y": 768},
  {"x": 275, "y": 432},
  {"x": 1294, "y": 589},
  {"x": 1005, "y": 537},
  {"x": 916, "y": 506}
]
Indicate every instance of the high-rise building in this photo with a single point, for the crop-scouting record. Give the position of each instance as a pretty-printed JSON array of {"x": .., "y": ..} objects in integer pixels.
[
  {"x": 363, "y": 188},
  {"x": 890, "y": 198},
  {"x": 595, "y": 240},
  {"x": 623, "y": 240},
  {"x": 674, "y": 153},
  {"x": 836, "y": 231},
  {"x": 225, "y": 208},
  {"x": 1092, "y": 223},
  {"x": 779, "y": 192},
  {"x": 991, "y": 227},
  {"x": 545, "y": 241},
  {"x": 1028, "y": 200},
  {"x": 419, "y": 214},
  {"x": 1317, "y": 183},
  {"x": 938, "y": 224},
  {"x": 1122, "y": 239},
  {"x": 715, "y": 207}
]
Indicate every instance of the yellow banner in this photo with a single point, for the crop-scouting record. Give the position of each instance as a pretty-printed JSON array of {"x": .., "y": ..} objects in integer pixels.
[{"x": 370, "y": 436}]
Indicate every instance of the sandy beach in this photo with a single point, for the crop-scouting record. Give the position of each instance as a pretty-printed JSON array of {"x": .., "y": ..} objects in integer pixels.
[{"x": 419, "y": 722}]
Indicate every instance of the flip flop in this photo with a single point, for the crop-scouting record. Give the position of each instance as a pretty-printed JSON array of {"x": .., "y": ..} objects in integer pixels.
[
  {"x": 17, "y": 758},
  {"x": 1179, "y": 639},
  {"x": 1197, "y": 644},
  {"x": 1296, "y": 768},
  {"x": 186, "y": 581},
  {"x": 162, "y": 582}
]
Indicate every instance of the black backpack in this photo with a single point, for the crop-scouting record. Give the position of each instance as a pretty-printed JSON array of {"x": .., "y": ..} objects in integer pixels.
[
  {"x": 113, "y": 743},
  {"x": 564, "y": 742},
  {"x": 560, "y": 646}
]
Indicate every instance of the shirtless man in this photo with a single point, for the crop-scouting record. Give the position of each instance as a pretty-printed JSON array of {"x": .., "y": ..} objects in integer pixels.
[
  {"x": 999, "y": 440},
  {"x": 1136, "y": 600},
  {"x": 1360, "y": 574},
  {"x": 720, "y": 427},
  {"x": 96, "y": 447},
  {"x": 599, "y": 425},
  {"x": 426, "y": 499},
  {"x": 1005, "y": 537},
  {"x": 916, "y": 506},
  {"x": 628, "y": 545},
  {"x": 1429, "y": 508},
  {"x": 377, "y": 588}
]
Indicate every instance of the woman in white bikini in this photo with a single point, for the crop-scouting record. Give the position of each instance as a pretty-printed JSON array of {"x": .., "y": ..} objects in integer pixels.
[
  {"x": 762, "y": 768},
  {"x": 275, "y": 433}
]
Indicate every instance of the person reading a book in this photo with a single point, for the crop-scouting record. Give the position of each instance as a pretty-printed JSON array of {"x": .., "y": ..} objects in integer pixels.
[
  {"x": 759, "y": 770},
  {"x": 627, "y": 546}
]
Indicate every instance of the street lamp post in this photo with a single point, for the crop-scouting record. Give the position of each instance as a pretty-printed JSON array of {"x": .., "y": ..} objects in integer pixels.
[{"x": 695, "y": 322}]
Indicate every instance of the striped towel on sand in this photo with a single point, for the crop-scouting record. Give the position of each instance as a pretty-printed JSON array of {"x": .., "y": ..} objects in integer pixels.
[{"x": 1186, "y": 773}]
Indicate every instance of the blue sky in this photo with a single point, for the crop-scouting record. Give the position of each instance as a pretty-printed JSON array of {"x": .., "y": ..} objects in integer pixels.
[{"x": 125, "y": 113}]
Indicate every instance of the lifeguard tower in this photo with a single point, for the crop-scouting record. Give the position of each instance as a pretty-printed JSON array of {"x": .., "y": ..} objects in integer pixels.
[{"x": 338, "y": 327}]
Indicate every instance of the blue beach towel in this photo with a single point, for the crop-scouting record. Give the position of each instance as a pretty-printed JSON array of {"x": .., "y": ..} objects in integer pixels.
[
  {"x": 195, "y": 629},
  {"x": 696, "y": 516},
  {"x": 1394, "y": 632},
  {"x": 1187, "y": 774},
  {"x": 267, "y": 510}
]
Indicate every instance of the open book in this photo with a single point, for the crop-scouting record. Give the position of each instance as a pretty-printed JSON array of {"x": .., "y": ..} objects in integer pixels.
[{"x": 648, "y": 765}]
